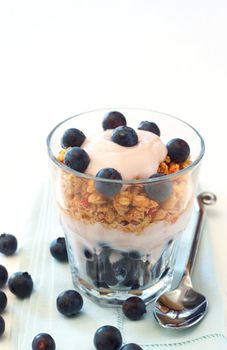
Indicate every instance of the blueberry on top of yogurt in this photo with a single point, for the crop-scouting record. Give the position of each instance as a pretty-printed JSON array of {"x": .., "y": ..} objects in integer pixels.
[
  {"x": 113, "y": 119},
  {"x": 125, "y": 136},
  {"x": 77, "y": 159},
  {"x": 150, "y": 126},
  {"x": 178, "y": 150},
  {"x": 72, "y": 137}
]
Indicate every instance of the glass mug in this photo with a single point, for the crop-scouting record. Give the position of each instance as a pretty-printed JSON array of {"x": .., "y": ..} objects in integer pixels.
[{"x": 126, "y": 244}]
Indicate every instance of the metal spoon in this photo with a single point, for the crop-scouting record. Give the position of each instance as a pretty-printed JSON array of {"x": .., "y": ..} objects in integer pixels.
[{"x": 183, "y": 307}]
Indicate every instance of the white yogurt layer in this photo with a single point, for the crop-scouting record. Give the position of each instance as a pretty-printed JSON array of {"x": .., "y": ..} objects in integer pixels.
[
  {"x": 152, "y": 240},
  {"x": 139, "y": 161}
]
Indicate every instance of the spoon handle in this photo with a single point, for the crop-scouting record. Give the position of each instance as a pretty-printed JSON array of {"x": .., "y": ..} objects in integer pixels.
[{"x": 204, "y": 198}]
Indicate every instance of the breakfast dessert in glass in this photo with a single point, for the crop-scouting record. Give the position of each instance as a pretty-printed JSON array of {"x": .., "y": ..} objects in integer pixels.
[{"x": 124, "y": 184}]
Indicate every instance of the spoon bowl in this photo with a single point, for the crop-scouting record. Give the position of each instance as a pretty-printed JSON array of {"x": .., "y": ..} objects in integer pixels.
[{"x": 182, "y": 307}]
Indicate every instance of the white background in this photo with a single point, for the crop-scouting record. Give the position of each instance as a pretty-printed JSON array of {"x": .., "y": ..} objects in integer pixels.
[{"x": 59, "y": 58}]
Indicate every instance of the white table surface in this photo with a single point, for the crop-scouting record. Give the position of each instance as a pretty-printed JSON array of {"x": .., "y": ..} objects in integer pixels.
[{"x": 58, "y": 58}]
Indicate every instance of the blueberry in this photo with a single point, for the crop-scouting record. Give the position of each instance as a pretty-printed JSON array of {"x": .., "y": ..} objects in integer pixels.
[
  {"x": 108, "y": 189},
  {"x": 88, "y": 254},
  {"x": 77, "y": 159},
  {"x": 3, "y": 276},
  {"x": 43, "y": 341},
  {"x": 134, "y": 255},
  {"x": 150, "y": 126},
  {"x": 120, "y": 273},
  {"x": 3, "y": 301},
  {"x": 92, "y": 269},
  {"x": 113, "y": 119},
  {"x": 125, "y": 136},
  {"x": 72, "y": 137},
  {"x": 124, "y": 262},
  {"x": 159, "y": 191},
  {"x": 8, "y": 244},
  {"x": 69, "y": 303},
  {"x": 2, "y": 326},
  {"x": 178, "y": 150},
  {"x": 58, "y": 249},
  {"x": 134, "y": 272},
  {"x": 131, "y": 280},
  {"x": 134, "y": 308},
  {"x": 131, "y": 346},
  {"x": 107, "y": 338},
  {"x": 21, "y": 284},
  {"x": 122, "y": 269},
  {"x": 108, "y": 276}
]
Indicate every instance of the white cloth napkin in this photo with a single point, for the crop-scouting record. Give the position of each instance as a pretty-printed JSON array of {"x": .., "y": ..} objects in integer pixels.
[{"x": 28, "y": 317}]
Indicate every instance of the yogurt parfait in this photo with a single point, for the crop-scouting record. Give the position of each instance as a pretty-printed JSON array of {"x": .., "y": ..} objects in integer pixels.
[{"x": 124, "y": 184}]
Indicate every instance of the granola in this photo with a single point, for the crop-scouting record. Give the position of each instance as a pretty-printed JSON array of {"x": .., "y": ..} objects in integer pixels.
[{"x": 131, "y": 210}]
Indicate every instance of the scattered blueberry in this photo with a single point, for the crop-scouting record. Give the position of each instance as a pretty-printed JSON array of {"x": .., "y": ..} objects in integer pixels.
[
  {"x": 159, "y": 191},
  {"x": 69, "y": 303},
  {"x": 72, "y": 137},
  {"x": 77, "y": 159},
  {"x": 125, "y": 136},
  {"x": 2, "y": 326},
  {"x": 3, "y": 276},
  {"x": 131, "y": 346},
  {"x": 58, "y": 249},
  {"x": 178, "y": 150},
  {"x": 20, "y": 284},
  {"x": 108, "y": 189},
  {"x": 150, "y": 126},
  {"x": 43, "y": 341},
  {"x": 8, "y": 244},
  {"x": 3, "y": 301},
  {"x": 113, "y": 119},
  {"x": 134, "y": 308},
  {"x": 107, "y": 338}
]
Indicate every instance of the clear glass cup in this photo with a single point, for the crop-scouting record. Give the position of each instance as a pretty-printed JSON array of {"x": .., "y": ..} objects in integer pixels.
[{"x": 126, "y": 244}]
